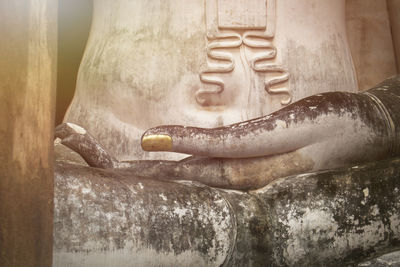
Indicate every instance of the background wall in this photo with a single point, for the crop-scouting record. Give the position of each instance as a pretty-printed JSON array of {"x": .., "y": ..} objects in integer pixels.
[
  {"x": 74, "y": 19},
  {"x": 370, "y": 39},
  {"x": 394, "y": 15}
]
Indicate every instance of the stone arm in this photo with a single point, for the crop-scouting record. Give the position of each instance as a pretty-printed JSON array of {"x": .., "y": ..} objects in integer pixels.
[
  {"x": 319, "y": 132},
  {"x": 332, "y": 218}
]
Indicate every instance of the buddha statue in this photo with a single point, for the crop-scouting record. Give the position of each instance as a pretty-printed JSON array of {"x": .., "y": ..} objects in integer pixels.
[
  {"x": 203, "y": 64},
  {"x": 250, "y": 95},
  {"x": 222, "y": 67}
]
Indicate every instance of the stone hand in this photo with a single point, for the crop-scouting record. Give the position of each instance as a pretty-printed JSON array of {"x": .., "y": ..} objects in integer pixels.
[
  {"x": 320, "y": 132},
  {"x": 323, "y": 131}
]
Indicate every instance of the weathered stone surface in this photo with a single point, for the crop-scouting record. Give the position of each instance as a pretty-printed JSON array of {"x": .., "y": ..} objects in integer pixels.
[
  {"x": 390, "y": 259},
  {"x": 331, "y": 218},
  {"x": 63, "y": 153},
  {"x": 111, "y": 219},
  {"x": 334, "y": 217}
]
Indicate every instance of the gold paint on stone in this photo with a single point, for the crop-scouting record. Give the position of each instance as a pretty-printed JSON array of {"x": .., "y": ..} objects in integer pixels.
[{"x": 157, "y": 142}]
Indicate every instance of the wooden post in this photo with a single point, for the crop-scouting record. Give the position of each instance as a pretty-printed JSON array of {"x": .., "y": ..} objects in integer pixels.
[{"x": 28, "y": 31}]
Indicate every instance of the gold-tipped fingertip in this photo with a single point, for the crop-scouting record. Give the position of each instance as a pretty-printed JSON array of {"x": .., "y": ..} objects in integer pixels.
[{"x": 157, "y": 142}]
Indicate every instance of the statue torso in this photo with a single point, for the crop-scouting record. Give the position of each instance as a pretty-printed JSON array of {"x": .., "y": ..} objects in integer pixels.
[{"x": 204, "y": 63}]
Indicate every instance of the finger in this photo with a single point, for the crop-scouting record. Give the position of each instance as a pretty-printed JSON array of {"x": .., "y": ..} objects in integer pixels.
[
  {"x": 79, "y": 140},
  {"x": 65, "y": 129}
]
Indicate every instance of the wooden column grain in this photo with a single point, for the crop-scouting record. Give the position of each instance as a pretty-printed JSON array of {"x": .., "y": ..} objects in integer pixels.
[{"x": 28, "y": 31}]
